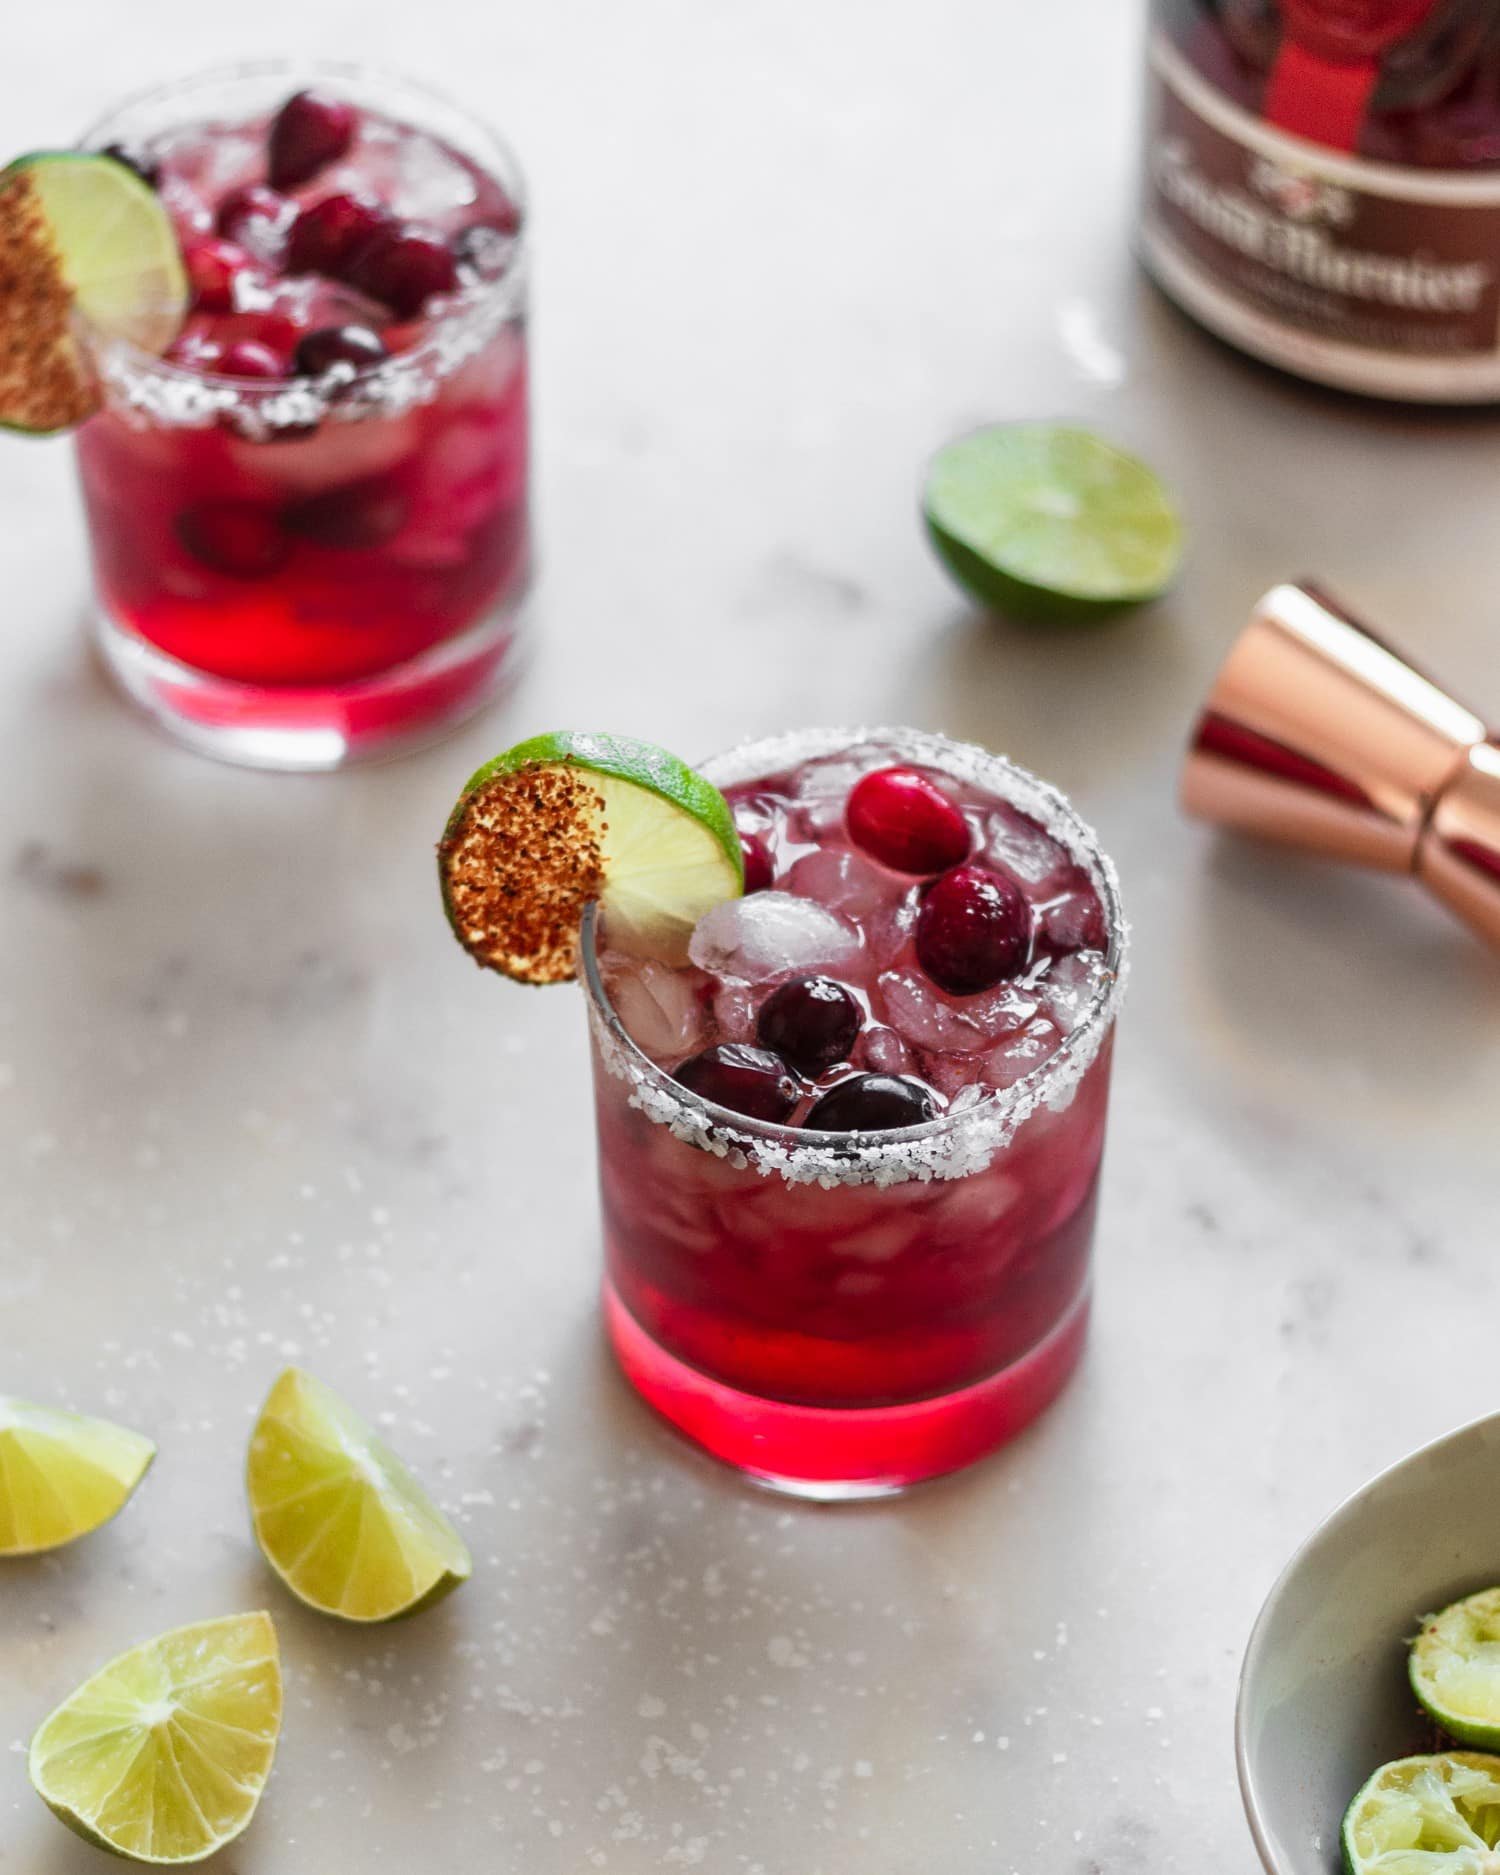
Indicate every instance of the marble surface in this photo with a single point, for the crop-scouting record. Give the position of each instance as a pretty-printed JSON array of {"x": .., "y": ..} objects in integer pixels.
[{"x": 254, "y": 1106}]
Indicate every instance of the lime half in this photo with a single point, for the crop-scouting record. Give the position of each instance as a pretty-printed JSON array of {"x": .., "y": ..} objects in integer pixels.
[
  {"x": 563, "y": 820},
  {"x": 62, "y": 1475},
  {"x": 82, "y": 238},
  {"x": 1047, "y": 522},
  {"x": 1455, "y": 1669},
  {"x": 1426, "y": 1816},
  {"x": 338, "y": 1516},
  {"x": 163, "y": 1754}
]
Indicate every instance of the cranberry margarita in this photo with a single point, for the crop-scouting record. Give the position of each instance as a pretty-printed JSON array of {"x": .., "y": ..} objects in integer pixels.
[
  {"x": 309, "y": 518},
  {"x": 850, "y": 1149}
]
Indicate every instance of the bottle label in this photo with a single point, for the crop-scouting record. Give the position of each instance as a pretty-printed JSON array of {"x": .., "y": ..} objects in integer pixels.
[{"x": 1318, "y": 259}]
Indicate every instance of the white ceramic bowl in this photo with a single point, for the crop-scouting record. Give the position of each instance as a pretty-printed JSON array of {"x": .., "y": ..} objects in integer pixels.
[{"x": 1324, "y": 1699}]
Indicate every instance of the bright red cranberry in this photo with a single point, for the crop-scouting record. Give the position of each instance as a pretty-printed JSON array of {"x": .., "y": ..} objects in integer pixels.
[
  {"x": 360, "y": 514},
  {"x": 148, "y": 171},
  {"x": 811, "y": 1022},
  {"x": 760, "y": 874},
  {"x": 746, "y": 1080},
  {"x": 1073, "y": 923},
  {"x": 871, "y": 1103},
  {"x": 212, "y": 269},
  {"x": 404, "y": 266},
  {"x": 320, "y": 351},
  {"x": 233, "y": 537},
  {"x": 248, "y": 358},
  {"x": 310, "y": 131},
  {"x": 973, "y": 930},
  {"x": 328, "y": 237},
  {"x": 906, "y": 822},
  {"x": 249, "y": 211}
]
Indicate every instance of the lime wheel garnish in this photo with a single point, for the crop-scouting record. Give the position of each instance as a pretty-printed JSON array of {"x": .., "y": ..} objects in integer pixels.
[
  {"x": 565, "y": 820},
  {"x": 86, "y": 248}
]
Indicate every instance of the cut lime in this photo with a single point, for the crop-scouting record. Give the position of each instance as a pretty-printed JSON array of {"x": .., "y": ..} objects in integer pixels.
[
  {"x": 563, "y": 820},
  {"x": 338, "y": 1516},
  {"x": 1047, "y": 522},
  {"x": 62, "y": 1475},
  {"x": 1426, "y": 1816},
  {"x": 162, "y": 1756},
  {"x": 79, "y": 235},
  {"x": 1455, "y": 1669}
]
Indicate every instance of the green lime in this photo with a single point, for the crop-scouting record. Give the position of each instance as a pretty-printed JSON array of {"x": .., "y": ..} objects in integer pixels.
[
  {"x": 338, "y": 1516},
  {"x": 62, "y": 1475},
  {"x": 1047, "y": 522},
  {"x": 162, "y": 1756},
  {"x": 1426, "y": 1816},
  {"x": 1455, "y": 1669},
  {"x": 563, "y": 820},
  {"x": 82, "y": 238}
]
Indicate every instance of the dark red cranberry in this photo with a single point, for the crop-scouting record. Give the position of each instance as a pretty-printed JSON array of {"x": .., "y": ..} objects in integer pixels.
[
  {"x": 212, "y": 268},
  {"x": 246, "y": 211},
  {"x": 360, "y": 514},
  {"x": 233, "y": 537},
  {"x": 1073, "y": 923},
  {"x": 746, "y": 1080},
  {"x": 355, "y": 346},
  {"x": 148, "y": 170},
  {"x": 310, "y": 131},
  {"x": 904, "y": 820},
  {"x": 248, "y": 358},
  {"x": 404, "y": 266},
  {"x": 973, "y": 930},
  {"x": 760, "y": 874},
  {"x": 811, "y": 1022},
  {"x": 328, "y": 237},
  {"x": 871, "y": 1103}
]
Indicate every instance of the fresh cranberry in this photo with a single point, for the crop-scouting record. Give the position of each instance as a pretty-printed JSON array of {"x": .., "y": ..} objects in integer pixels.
[
  {"x": 871, "y": 1103},
  {"x": 360, "y": 514},
  {"x": 746, "y": 1080},
  {"x": 320, "y": 351},
  {"x": 233, "y": 537},
  {"x": 906, "y": 822},
  {"x": 148, "y": 170},
  {"x": 327, "y": 237},
  {"x": 247, "y": 358},
  {"x": 1073, "y": 923},
  {"x": 310, "y": 131},
  {"x": 760, "y": 874},
  {"x": 404, "y": 266},
  {"x": 811, "y": 1022},
  {"x": 212, "y": 269},
  {"x": 973, "y": 930},
  {"x": 254, "y": 211}
]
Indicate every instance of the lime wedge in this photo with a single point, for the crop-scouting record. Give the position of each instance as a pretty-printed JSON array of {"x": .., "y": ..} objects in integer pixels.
[
  {"x": 82, "y": 239},
  {"x": 62, "y": 1475},
  {"x": 1455, "y": 1669},
  {"x": 1426, "y": 1816},
  {"x": 338, "y": 1516},
  {"x": 563, "y": 820},
  {"x": 1047, "y": 522},
  {"x": 162, "y": 1756}
]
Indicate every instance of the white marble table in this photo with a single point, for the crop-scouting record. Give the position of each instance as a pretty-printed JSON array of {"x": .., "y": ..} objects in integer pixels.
[{"x": 254, "y": 1106}]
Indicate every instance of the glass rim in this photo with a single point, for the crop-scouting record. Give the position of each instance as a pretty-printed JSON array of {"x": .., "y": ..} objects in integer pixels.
[
  {"x": 505, "y": 293},
  {"x": 1003, "y": 1110}
]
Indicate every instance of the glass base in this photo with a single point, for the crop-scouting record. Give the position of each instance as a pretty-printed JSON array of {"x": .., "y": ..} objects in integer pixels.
[
  {"x": 260, "y": 726},
  {"x": 843, "y": 1455}
]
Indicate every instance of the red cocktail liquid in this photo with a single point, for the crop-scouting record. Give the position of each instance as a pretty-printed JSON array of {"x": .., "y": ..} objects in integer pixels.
[
  {"x": 845, "y": 1312},
  {"x": 309, "y": 520}
]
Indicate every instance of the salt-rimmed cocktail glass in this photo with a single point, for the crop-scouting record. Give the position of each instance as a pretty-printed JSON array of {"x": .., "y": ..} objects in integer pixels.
[
  {"x": 842, "y": 1316},
  {"x": 376, "y": 531}
]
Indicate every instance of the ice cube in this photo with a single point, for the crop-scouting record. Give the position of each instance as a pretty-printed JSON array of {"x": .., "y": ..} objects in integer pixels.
[
  {"x": 928, "y": 1019},
  {"x": 735, "y": 1008},
  {"x": 1023, "y": 848},
  {"x": 882, "y": 1051},
  {"x": 889, "y": 930},
  {"x": 968, "y": 1096},
  {"x": 768, "y": 935},
  {"x": 1070, "y": 986},
  {"x": 842, "y": 880},
  {"x": 1018, "y": 1054},
  {"x": 662, "y": 1009}
]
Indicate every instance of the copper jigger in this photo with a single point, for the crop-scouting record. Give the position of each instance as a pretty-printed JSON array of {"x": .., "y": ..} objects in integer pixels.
[{"x": 1320, "y": 736}]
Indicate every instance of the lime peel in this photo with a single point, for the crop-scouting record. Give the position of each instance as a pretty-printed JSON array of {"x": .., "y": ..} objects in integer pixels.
[
  {"x": 1455, "y": 1669},
  {"x": 62, "y": 1475}
]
